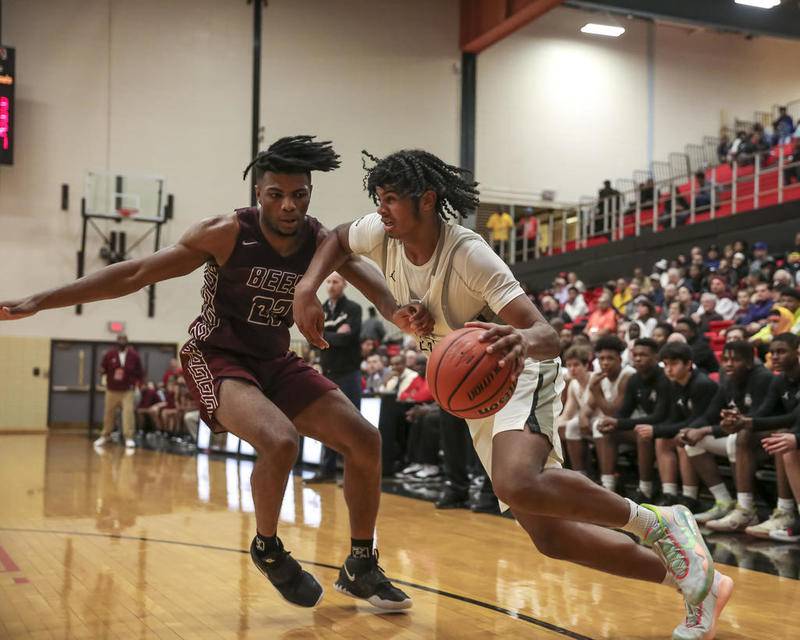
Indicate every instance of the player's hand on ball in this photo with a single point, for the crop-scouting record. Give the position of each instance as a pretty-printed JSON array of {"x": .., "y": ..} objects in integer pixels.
[
  {"x": 778, "y": 443},
  {"x": 310, "y": 319},
  {"x": 413, "y": 318},
  {"x": 505, "y": 341},
  {"x": 17, "y": 309}
]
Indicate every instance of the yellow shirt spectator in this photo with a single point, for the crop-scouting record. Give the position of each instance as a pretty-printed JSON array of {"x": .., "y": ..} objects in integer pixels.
[{"x": 500, "y": 224}]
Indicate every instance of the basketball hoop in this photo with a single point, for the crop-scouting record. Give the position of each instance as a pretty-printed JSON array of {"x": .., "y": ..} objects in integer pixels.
[{"x": 125, "y": 212}]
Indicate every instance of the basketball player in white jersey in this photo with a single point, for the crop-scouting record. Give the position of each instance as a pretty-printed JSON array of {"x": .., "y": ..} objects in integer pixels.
[{"x": 457, "y": 276}]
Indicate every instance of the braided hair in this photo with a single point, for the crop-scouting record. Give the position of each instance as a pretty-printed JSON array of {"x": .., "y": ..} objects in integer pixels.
[
  {"x": 294, "y": 154},
  {"x": 412, "y": 172}
]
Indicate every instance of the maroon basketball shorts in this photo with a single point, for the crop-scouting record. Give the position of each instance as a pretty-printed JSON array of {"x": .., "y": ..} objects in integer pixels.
[{"x": 288, "y": 382}]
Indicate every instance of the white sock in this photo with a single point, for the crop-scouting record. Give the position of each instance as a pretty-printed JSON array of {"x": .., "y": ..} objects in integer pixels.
[
  {"x": 745, "y": 500},
  {"x": 786, "y": 504},
  {"x": 670, "y": 487},
  {"x": 646, "y": 488},
  {"x": 691, "y": 491},
  {"x": 642, "y": 520},
  {"x": 720, "y": 492},
  {"x": 609, "y": 481}
]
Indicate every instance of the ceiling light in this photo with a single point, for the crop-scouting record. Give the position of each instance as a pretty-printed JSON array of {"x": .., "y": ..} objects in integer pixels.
[
  {"x": 761, "y": 4},
  {"x": 603, "y": 29}
]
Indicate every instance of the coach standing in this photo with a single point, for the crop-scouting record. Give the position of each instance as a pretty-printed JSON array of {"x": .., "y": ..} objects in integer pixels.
[
  {"x": 123, "y": 370},
  {"x": 341, "y": 362}
]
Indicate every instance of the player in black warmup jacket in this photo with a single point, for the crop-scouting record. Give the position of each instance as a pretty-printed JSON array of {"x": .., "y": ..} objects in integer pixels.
[
  {"x": 645, "y": 403},
  {"x": 744, "y": 390},
  {"x": 691, "y": 392},
  {"x": 778, "y": 411}
]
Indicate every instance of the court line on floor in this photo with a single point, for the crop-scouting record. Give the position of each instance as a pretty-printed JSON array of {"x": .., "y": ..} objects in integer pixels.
[{"x": 421, "y": 587}]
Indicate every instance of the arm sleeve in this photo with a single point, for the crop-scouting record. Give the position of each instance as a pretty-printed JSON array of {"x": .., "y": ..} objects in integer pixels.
[
  {"x": 624, "y": 420},
  {"x": 486, "y": 275},
  {"x": 366, "y": 237}
]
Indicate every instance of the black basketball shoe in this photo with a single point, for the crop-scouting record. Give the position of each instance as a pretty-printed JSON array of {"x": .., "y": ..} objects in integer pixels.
[
  {"x": 364, "y": 578},
  {"x": 296, "y": 586}
]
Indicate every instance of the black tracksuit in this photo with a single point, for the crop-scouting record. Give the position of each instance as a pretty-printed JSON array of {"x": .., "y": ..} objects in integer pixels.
[
  {"x": 688, "y": 402},
  {"x": 650, "y": 395}
]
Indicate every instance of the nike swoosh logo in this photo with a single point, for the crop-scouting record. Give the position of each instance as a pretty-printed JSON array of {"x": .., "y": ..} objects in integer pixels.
[
  {"x": 349, "y": 575},
  {"x": 249, "y": 242}
]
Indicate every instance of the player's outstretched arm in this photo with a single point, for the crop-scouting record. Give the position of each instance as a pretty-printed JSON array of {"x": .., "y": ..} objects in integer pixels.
[
  {"x": 333, "y": 249},
  {"x": 204, "y": 240}
]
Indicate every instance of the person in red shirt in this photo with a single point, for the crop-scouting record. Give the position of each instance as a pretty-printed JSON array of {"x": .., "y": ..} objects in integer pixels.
[
  {"x": 123, "y": 371},
  {"x": 173, "y": 371},
  {"x": 603, "y": 319}
]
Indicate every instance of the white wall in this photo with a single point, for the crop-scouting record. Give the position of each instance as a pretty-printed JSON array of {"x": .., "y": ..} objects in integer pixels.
[
  {"x": 561, "y": 110},
  {"x": 177, "y": 102}
]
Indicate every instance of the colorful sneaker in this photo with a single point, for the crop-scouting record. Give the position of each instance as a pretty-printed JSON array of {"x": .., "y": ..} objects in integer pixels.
[
  {"x": 780, "y": 519},
  {"x": 364, "y": 578},
  {"x": 719, "y": 510},
  {"x": 789, "y": 534},
  {"x": 297, "y": 586},
  {"x": 677, "y": 540},
  {"x": 737, "y": 520},
  {"x": 701, "y": 620}
]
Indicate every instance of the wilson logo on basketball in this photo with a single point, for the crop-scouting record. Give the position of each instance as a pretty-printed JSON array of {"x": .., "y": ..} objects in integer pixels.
[
  {"x": 465, "y": 380},
  {"x": 482, "y": 384}
]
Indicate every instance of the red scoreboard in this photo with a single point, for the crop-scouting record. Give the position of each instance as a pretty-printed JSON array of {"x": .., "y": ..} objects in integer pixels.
[{"x": 7, "y": 81}]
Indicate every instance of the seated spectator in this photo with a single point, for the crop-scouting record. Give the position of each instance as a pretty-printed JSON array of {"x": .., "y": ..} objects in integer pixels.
[
  {"x": 551, "y": 309},
  {"x": 759, "y": 308},
  {"x": 577, "y": 360},
  {"x": 726, "y": 306},
  {"x": 622, "y": 295},
  {"x": 780, "y": 320},
  {"x": 744, "y": 387},
  {"x": 573, "y": 281},
  {"x": 687, "y": 300},
  {"x": 760, "y": 255},
  {"x": 691, "y": 391},
  {"x": 575, "y": 306},
  {"x": 646, "y": 402},
  {"x": 739, "y": 266},
  {"x": 736, "y": 145},
  {"x": 399, "y": 378},
  {"x": 560, "y": 292},
  {"x": 735, "y": 333},
  {"x": 645, "y": 316},
  {"x": 603, "y": 319},
  {"x": 696, "y": 278},
  {"x": 374, "y": 373},
  {"x": 707, "y": 313},
  {"x": 670, "y": 296},
  {"x": 148, "y": 398},
  {"x": 789, "y": 298},
  {"x": 702, "y": 355},
  {"x": 711, "y": 262},
  {"x": 661, "y": 332},
  {"x": 656, "y": 293},
  {"x": 607, "y": 390},
  {"x": 173, "y": 371},
  {"x": 781, "y": 278},
  {"x": 675, "y": 312}
]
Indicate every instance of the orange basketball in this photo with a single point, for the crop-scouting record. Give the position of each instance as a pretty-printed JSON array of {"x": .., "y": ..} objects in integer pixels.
[{"x": 465, "y": 380}]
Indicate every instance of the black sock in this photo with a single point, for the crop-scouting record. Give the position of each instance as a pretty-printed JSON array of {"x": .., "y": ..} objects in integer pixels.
[
  {"x": 361, "y": 548},
  {"x": 267, "y": 544}
]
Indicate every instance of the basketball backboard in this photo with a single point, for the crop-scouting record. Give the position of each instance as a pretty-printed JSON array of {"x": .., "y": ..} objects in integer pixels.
[{"x": 119, "y": 195}]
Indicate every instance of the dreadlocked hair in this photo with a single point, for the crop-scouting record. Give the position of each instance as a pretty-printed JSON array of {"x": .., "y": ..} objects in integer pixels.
[
  {"x": 294, "y": 154},
  {"x": 412, "y": 172}
]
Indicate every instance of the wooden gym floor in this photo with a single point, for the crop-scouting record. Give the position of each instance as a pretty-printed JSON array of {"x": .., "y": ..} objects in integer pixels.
[{"x": 153, "y": 545}]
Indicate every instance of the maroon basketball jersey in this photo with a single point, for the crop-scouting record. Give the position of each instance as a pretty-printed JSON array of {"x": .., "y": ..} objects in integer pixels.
[{"x": 247, "y": 303}]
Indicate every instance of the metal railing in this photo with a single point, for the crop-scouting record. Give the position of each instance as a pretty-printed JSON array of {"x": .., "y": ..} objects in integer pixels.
[{"x": 625, "y": 215}]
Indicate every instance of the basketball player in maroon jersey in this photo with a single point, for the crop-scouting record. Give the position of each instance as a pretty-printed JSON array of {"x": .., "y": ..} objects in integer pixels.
[{"x": 238, "y": 365}]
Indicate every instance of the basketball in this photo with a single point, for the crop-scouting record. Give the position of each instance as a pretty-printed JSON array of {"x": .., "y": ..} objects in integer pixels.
[{"x": 467, "y": 381}]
